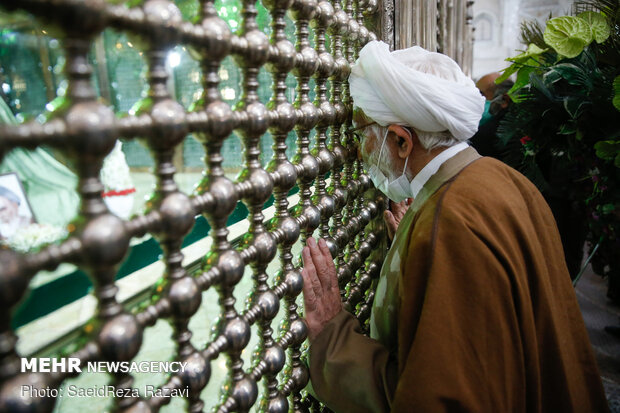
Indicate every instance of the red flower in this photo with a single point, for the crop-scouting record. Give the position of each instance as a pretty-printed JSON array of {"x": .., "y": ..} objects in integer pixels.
[{"x": 525, "y": 140}]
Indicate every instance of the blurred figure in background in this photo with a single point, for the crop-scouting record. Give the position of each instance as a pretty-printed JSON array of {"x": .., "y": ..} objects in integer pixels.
[
  {"x": 485, "y": 140},
  {"x": 486, "y": 86}
]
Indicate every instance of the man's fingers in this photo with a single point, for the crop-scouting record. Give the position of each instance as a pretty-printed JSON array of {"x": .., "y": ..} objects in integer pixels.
[
  {"x": 312, "y": 282},
  {"x": 320, "y": 289},
  {"x": 400, "y": 209},
  {"x": 329, "y": 261},
  {"x": 308, "y": 263},
  {"x": 310, "y": 303},
  {"x": 317, "y": 258},
  {"x": 390, "y": 220},
  {"x": 311, "y": 275},
  {"x": 328, "y": 277}
]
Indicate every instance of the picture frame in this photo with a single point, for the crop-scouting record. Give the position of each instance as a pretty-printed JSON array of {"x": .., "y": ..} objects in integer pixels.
[{"x": 15, "y": 209}]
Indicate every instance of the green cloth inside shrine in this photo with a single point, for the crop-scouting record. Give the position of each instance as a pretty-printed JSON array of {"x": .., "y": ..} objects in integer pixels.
[{"x": 50, "y": 186}]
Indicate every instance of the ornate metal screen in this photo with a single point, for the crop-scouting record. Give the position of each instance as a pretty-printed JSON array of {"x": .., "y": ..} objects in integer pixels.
[{"x": 335, "y": 197}]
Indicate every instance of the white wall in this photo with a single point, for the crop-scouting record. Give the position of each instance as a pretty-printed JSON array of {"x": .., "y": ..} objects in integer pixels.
[{"x": 497, "y": 25}]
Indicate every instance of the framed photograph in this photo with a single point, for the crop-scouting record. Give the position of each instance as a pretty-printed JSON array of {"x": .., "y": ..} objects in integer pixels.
[{"x": 15, "y": 210}]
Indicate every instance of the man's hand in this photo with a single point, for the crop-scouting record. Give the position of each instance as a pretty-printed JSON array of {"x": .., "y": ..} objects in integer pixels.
[
  {"x": 321, "y": 293},
  {"x": 392, "y": 218}
]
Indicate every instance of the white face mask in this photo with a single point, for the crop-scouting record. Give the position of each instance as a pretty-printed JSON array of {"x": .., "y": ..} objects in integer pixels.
[
  {"x": 399, "y": 189},
  {"x": 377, "y": 177}
]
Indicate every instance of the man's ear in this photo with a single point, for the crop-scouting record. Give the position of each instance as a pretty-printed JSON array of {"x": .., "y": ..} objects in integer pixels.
[
  {"x": 506, "y": 101},
  {"x": 404, "y": 140}
]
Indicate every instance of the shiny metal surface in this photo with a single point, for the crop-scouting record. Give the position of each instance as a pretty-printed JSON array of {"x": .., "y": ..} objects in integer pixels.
[{"x": 336, "y": 198}]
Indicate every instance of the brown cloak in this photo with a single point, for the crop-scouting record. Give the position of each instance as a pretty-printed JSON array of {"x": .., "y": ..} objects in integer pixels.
[{"x": 474, "y": 310}]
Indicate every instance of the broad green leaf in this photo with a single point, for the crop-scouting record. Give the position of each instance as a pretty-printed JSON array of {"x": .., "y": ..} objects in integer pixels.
[
  {"x": 598, "y": 24},
  {"x": 616, "y": 100},
  {"x": 568, "y": 35},
  {"x": 523, "y": 78},
  {"x": 607, "y": 149},
  {"x": 551, "y": 77},
  {"x": 608, "y": 208},
  {"x": 507, "y": 72},
  {"x": 519, "y": 60},
  {"x": 188, "y": 8},
  {"x": 573, "y": 74},
  {"x": 532, "y": 50}
]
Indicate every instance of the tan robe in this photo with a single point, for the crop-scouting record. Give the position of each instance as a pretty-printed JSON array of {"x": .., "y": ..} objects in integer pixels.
[{"x": 474, "y": 311}]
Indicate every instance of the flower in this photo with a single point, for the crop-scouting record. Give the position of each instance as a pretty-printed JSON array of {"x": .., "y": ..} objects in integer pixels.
[
  {"x": 115, "y": 174},
  {"x": 34, "y": 236},
  {"x": 524, "y": 140}
]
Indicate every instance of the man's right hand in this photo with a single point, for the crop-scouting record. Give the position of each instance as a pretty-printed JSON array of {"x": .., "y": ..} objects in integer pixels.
[
  {"x": 392, "y": 218},
  {"x": 321, "y": 293}
]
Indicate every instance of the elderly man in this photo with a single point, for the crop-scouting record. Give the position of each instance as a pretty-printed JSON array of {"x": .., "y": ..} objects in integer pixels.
[{"x": 474, "y": 309}]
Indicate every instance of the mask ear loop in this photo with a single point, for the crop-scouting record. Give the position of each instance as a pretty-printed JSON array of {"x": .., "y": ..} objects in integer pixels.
[
  {"x": 406, "y": 160},
  {"x": 382, "y": 145}
]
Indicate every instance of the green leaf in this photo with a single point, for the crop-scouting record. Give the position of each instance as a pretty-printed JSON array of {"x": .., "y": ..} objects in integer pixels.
[
  {"x": 538, "y": 84},
  {"x": 574, "y": 106},
  {"x": 188, "y": 8},
  {"x": 507, "y": 72},
  {"x": 524, "y": 58},
  {"x": 598, "y": 24},
  {"x": 573, "y": 74},
  {"x": 551, "y": 77},
  {"x": 568, "y": 128},
  {"x": 523, "y": 78},
  {"x": 608, "y": 150},
  {"x": 616, "y": 100},
  {"x": 532, "y": 50},
  {"x": 608, "y": 208},
  {"x": 568, "y": 35},
  {"x": 134, "y": 3},
  {"x": 579, "y": 135}
]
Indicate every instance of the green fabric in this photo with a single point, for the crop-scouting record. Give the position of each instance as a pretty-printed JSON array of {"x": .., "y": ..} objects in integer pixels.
[
  {"x": 486, "y": 115},
  {"x": 50, "y": 186}
]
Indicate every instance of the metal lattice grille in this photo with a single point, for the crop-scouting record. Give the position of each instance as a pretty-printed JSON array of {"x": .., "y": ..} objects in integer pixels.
[{"x": 332, "y": 190}]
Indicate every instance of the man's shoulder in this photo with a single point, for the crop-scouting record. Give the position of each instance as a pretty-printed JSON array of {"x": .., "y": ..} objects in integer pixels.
[
  {"x": 488, "y": 183},
  {"x": 485, "y": 193}
]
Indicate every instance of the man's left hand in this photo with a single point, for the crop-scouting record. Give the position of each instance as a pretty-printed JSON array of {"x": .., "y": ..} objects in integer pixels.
[
  {"x": 321, "y": 293},
  {"x": 392, "y": 218}
]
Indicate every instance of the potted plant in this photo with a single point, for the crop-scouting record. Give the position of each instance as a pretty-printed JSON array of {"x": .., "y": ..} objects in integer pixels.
[{"x": 563, "y": 130}]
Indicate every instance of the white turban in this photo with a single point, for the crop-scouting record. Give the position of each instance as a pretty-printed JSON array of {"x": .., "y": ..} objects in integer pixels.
[{"x": 417, "y": 88}]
